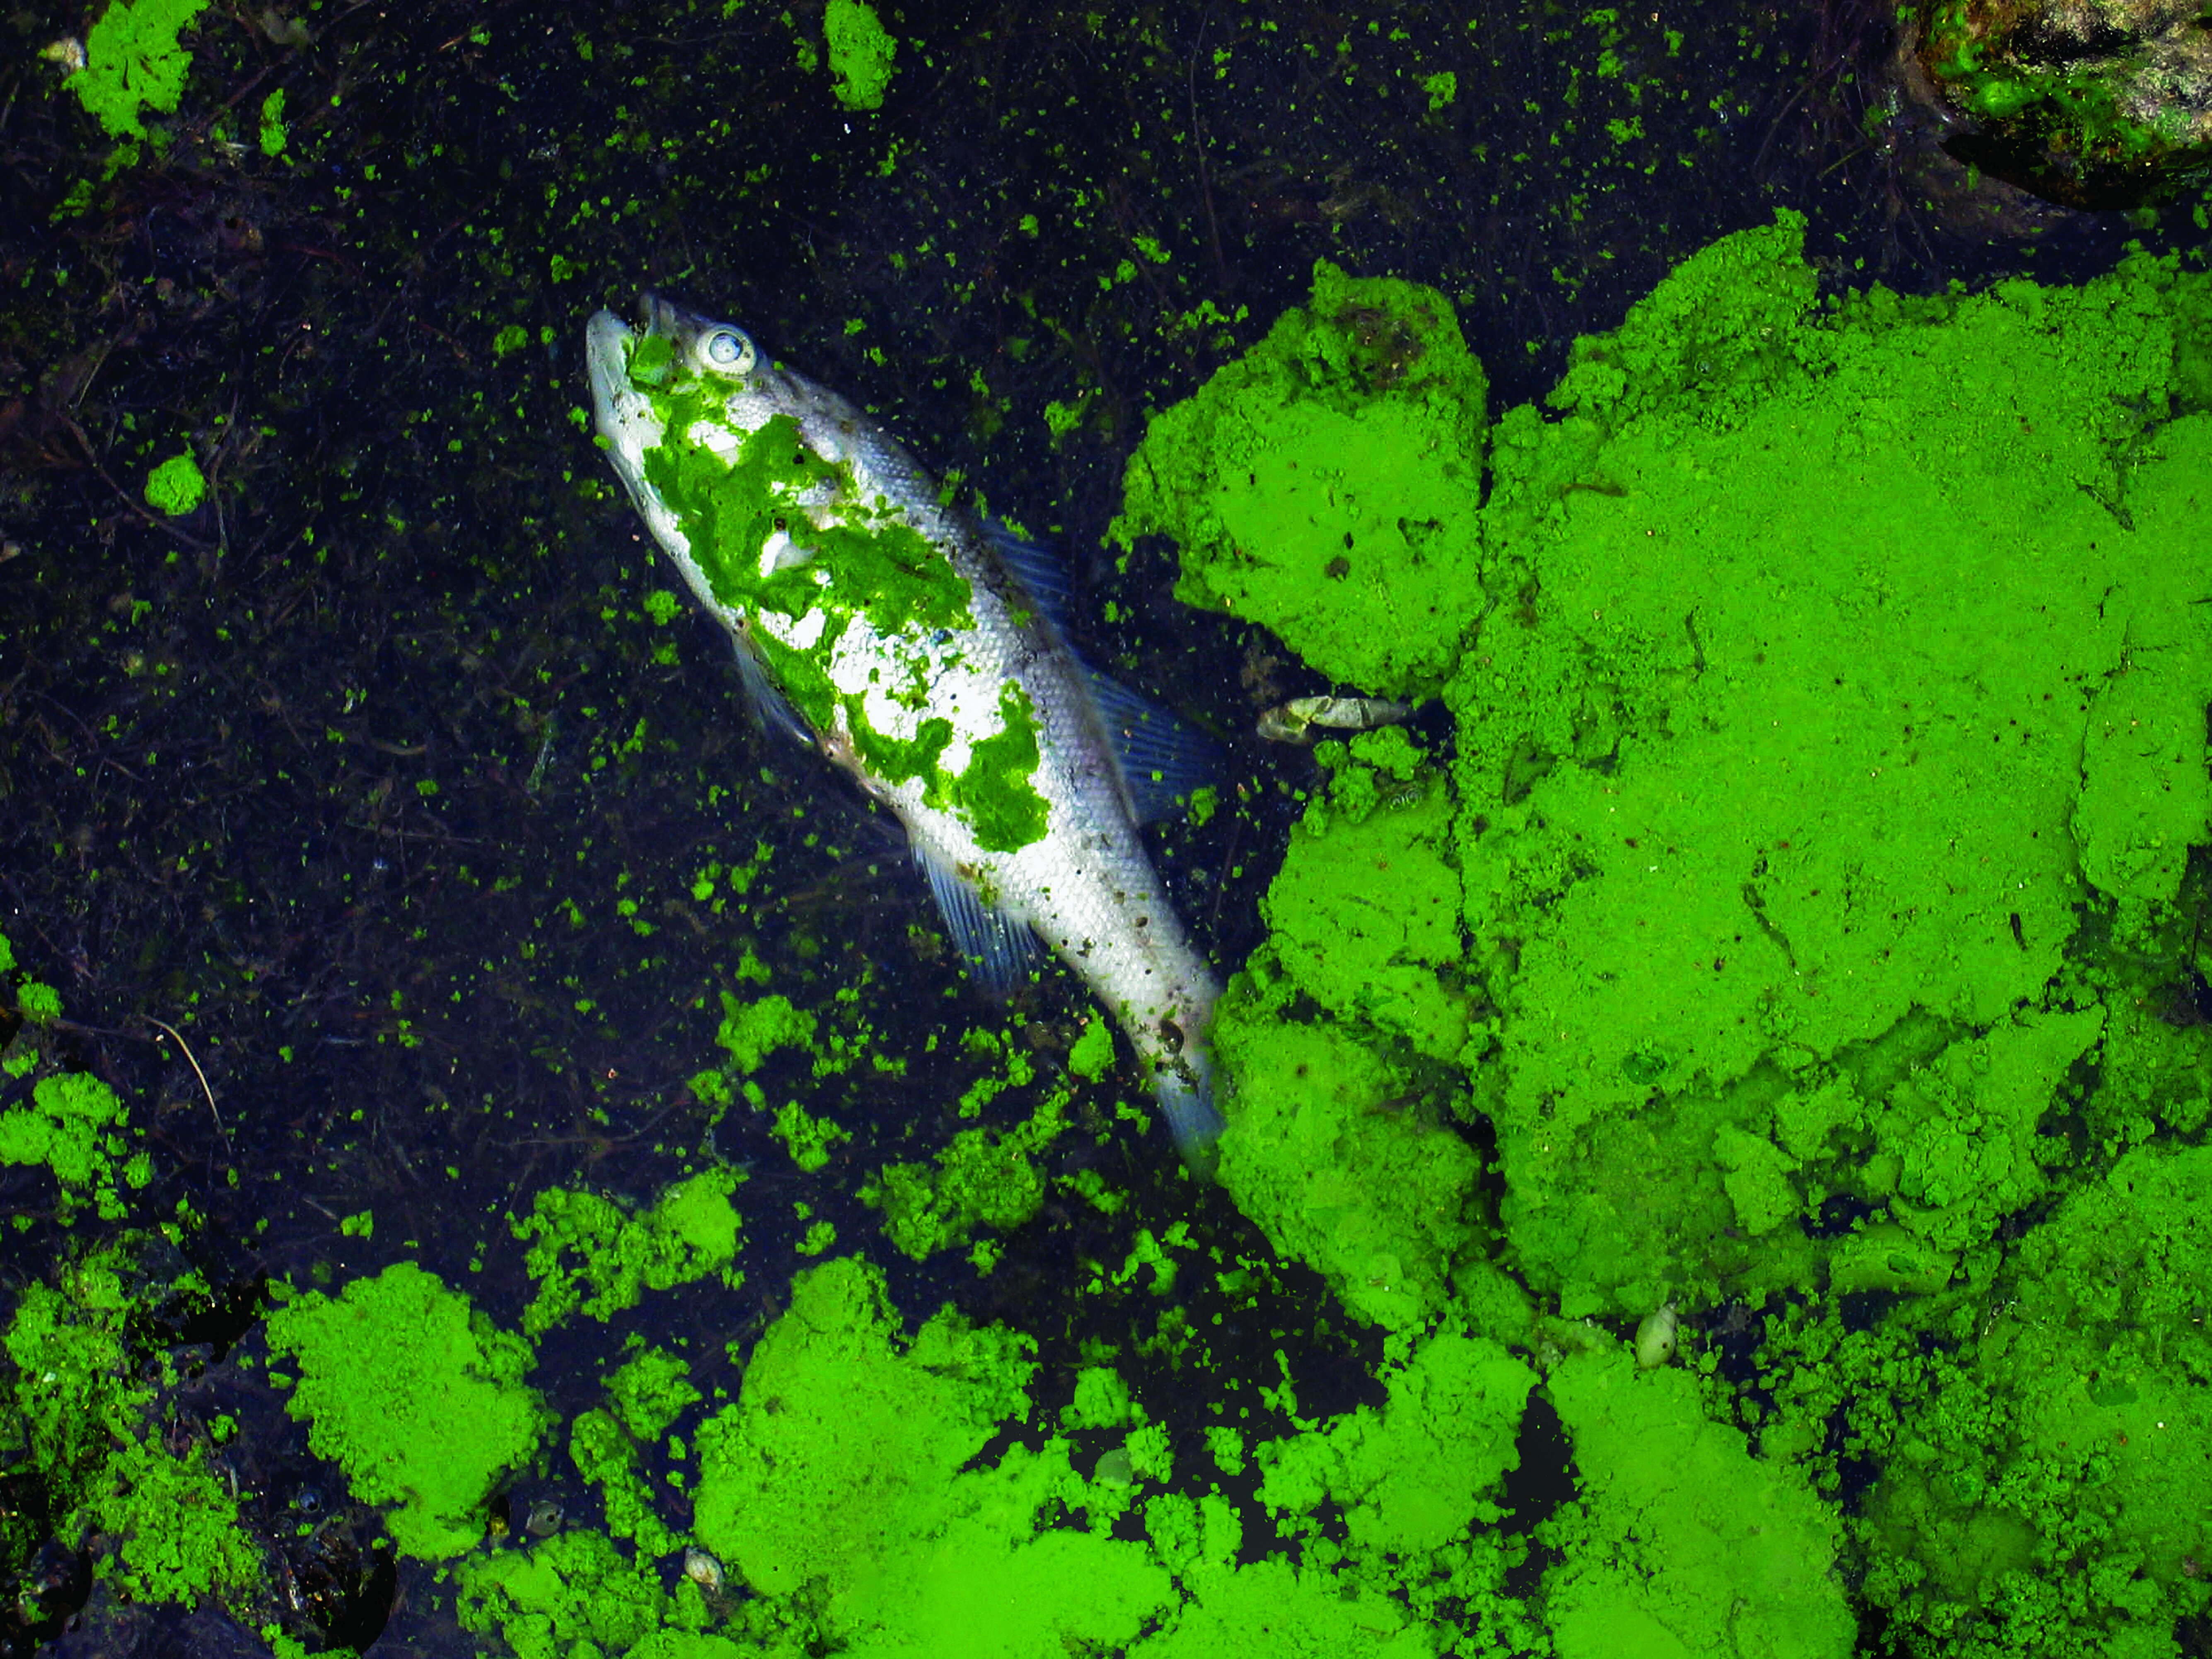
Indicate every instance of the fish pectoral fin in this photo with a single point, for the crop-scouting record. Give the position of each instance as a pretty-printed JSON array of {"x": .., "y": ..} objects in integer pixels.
[
  {"x": 998, "y": 951},
  {"x": 1042, "y": 571},
  {"x": 1163, "y": 759},
  {"x": 766, "y": 699}
]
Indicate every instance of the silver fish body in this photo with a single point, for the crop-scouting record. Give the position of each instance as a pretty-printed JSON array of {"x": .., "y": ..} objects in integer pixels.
[{"x": 885, "y": 623}]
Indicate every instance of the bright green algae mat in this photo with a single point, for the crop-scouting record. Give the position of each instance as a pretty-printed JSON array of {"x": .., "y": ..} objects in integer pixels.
[
  {"x": 1331, "y": 478},
  {"x": 78, "y": 1411},
  {"x": 1807, "y": 905},
  {"x": 415, "y": 1394}
]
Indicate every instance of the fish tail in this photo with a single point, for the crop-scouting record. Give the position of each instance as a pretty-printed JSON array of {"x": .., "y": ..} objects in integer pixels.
[{"x": 1187, "y": 1101}]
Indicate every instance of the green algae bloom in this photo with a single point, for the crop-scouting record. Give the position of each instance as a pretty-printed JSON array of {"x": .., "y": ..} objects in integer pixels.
[
  {"x": 1327, "y": 482},
  {"x": 416, "y": 1396},
  {"x": 1414, "y": 1475},
  {"x": 589, "y": 1254},
  {"x": 1679, "y": 1532},
  {"x": 271, "y": 134},
  {"x": 1669, "y": 916},
  {"x": 88, "y": 1419},
  {"x": 177, "y": 485},
  {"x": 844, "y": 1472},
  {"x": 576, "y": 1595},
  {"x": 2078, "y": 1434},
  {"x": 645, "y": 1398},
  {"x": 851, "y": 1490},
  {"x": 751, "y": 1031},
  {"x": 985, "y": 1178},
  {"x": 860, "y": 53},
  {"x": 1830, "y": 750},
  {"x": 132, "y": 63},
  {"x": 1793, "y": 833},
  {"x": 73, "y": 1126},
  {"x": 1092, "y": 1052}
]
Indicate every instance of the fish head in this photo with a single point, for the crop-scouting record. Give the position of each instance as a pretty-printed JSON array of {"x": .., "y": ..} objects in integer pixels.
[
  {"x": 683, "y": 376},
  {"x": 676, "y": 355}
]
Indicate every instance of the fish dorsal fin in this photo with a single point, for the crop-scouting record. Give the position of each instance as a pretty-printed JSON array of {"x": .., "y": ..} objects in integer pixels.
[
  {"x": 1163, "y": 759},
  {"x": 998, "y": 951},
  {"x": 1042, "y": 571},
  {"x": 766, "y": 699}
]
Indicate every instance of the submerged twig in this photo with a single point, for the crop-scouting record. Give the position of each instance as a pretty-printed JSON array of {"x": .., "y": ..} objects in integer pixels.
[{"x": 228, "y": 1150}]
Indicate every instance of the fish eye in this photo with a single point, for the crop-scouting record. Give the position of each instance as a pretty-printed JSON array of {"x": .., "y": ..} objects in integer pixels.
[{"x": 729, "y": 350}]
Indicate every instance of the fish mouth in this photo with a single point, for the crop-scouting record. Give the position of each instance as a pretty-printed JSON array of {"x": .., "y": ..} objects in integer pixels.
[
  {"x": 607, "y": 341},
  {"x": 625, "y": 417}
]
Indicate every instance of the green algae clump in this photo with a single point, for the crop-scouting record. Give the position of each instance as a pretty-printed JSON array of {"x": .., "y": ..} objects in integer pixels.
[
  {"x": 1679, "y": 1534},
  {"x": 846, "y": 1486},
  {"x": 591, "y": 1254},
  {"x": 644, "y": 1399},
  {"x": 986, "y": 1178},
  {"x": 1384, "y": 825},
  {"x": 1416, "y": 1474},
  {"x": 1331, "y": 1154},
  {"x": 860, "y": 53},
  {"x": 177, "y": 485},
  {"x": 87, "y": 1414},
  {"x": 1810, "y": 908},
  {"x": 1326, "y": 483},
  {"x": 133, "y": 63},
  {"x": 1813, "y": 806},
  {"x": 416, "y": 1396},
  {"x": 1337, "y": 1148},
  {"x": 1806, "y": 690},
  {"x": 2072, "y": 1432},
  {"x": 576, "y": 1594},
  {"x": 72, "y": 1126}
]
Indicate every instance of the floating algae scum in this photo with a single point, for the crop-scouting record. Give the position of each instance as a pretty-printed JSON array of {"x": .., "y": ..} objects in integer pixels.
[{"x": 1795, "y": 955}]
